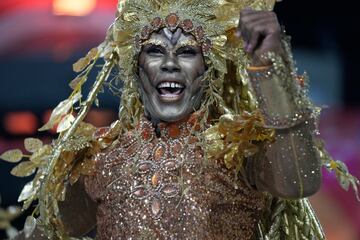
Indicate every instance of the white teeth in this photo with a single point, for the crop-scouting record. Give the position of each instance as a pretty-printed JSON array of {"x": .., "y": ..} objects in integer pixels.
[
  {"x": 164, "y": 85},
  {"x": 170, "y": 85}
]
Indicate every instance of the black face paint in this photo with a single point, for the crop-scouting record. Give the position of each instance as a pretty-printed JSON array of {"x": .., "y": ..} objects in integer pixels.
[{"x": 170, "y": 76}]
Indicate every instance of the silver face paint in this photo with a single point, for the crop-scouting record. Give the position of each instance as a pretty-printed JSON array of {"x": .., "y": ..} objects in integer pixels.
[{"x": 171, "y": 67}]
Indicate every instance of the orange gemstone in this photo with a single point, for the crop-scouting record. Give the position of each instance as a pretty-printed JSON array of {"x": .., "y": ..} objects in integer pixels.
[
  {"x": 187, "y": 25},
  {"x": 156, "y": 23},
  {"x": 193, "y": 119},
  {"x": 101, "y": 132},
  {"x": 301, "y": 80},
  {"x": 159, "y": 153},
  {"x": 193, "y": 140},
  {"x": 198, "y": 155},
  {"x": 155, "y": 179},
  {"x": 176, "y": 148},
  {"x": 197, "y": 127},
  {"x": 206, "y": 45},
  {"x": 172, "y": 20},
  {"x": 174, "y": 131},
  {"x": 200, "y": 34}
]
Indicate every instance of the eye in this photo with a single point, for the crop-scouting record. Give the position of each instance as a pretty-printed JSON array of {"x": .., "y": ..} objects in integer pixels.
[
  {"x": 187, "y": 51},
  {"x": 155, "y": 51}
]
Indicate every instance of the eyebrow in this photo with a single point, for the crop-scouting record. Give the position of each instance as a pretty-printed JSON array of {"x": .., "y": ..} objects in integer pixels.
[
  {"x": 186, "y": 43},
  {"x": 155, "y": 42}
]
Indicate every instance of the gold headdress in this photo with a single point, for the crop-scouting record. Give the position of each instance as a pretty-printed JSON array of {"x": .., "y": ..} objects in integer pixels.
[{"x": 212, "y": 23}]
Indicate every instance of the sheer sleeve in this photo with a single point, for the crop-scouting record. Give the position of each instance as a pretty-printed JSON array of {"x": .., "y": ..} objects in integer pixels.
[
  {"x": 289, "y": 167},
  {"x": 77, "y": 213}
]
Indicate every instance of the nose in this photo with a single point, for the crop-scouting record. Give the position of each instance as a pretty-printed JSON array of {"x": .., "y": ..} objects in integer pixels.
[{"x": 170, "y": 64}]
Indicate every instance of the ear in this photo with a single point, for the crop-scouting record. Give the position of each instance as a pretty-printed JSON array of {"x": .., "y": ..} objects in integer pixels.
[
  {"x": 140, "y": 75},
  {"x": 140, "y": 59},
  {"x": 138, "y": 83}
]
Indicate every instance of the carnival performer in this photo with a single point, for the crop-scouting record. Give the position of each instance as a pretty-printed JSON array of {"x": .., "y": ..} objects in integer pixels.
[{"x": 216, "y": 138}]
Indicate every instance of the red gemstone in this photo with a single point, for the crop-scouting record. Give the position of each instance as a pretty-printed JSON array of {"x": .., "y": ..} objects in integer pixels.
[
  {"x": 172, "y": 21},
  {"x": 146, "y": 134},
  {"x": 101, "y": 132},
  {"x": 156, "y": 23},
  {"x": 145, "y": 33},
  {"x": 174, "y": 131},
  {"x": 301, "y": 80},
  {"x": 199, "y": 33},
  {"x": 187, "y": 25},
  {"x": 206, "y": 46},
  {"x": 176, "y": 148},
  {"x": 193, "y": 140}
]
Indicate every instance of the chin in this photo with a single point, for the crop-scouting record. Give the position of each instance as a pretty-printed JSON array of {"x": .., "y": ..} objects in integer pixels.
[
  {"x": 171, "y": 115},
  {"x": 159, "y": 109}
]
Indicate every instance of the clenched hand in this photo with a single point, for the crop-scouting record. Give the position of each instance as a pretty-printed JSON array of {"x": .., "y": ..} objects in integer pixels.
[{"x": 261, "y": 33}]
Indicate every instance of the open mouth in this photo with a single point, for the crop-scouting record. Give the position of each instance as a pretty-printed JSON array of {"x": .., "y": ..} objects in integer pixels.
[{"x": 170, "y": 89}]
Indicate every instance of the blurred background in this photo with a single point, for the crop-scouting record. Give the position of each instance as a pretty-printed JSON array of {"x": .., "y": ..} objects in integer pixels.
[{"x": 41, "y": 39}]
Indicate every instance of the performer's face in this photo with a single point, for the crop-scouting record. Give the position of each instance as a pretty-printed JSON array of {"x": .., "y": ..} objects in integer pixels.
[{"x": 171, "y": 66}]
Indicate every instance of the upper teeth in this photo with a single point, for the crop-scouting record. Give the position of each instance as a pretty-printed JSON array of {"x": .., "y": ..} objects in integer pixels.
[{"x": 170, "y": 85}]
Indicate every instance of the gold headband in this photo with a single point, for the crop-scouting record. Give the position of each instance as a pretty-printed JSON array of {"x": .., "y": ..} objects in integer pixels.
[{"x": 172, "y": 22}]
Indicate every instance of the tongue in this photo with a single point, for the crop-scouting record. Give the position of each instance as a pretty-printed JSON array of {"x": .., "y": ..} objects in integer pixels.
[{"x": 170, "y": 91}]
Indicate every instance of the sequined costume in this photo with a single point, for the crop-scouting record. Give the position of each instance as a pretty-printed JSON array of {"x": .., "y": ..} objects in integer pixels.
[{"x": 161, "y": 188}]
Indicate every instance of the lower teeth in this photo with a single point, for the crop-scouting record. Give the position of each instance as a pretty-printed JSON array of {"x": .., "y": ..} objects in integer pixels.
[{"x": 174, "y": 91}]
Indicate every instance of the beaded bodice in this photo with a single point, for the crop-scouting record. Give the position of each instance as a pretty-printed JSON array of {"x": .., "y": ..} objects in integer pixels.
[{"x": 150, "y": 187}]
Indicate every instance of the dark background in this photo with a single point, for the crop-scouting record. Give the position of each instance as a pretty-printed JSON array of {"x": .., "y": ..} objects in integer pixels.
[{"x": 325, "y": 26}]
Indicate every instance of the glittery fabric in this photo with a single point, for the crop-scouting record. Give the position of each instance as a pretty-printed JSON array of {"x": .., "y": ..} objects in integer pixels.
[{"x": 150, "y": 187}]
